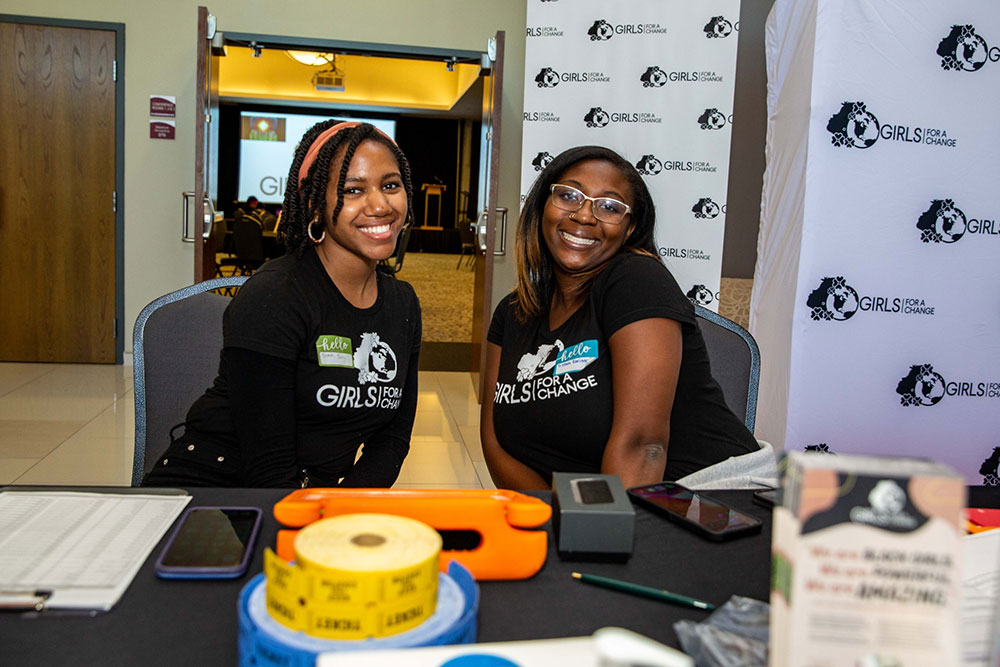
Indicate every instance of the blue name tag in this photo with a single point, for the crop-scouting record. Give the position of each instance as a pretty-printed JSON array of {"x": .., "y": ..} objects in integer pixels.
[{"x": 577, "y": 357}]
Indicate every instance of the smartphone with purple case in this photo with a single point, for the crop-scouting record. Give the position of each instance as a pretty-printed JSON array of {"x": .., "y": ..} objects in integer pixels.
[{"x": 211, "y": 543}]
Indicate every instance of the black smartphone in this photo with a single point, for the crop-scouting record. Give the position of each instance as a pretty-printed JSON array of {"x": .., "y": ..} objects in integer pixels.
[
  {"x": 211, "y": 543},
  {"x": 767, "y": 497},
  {"x": 704, "y": 515}
]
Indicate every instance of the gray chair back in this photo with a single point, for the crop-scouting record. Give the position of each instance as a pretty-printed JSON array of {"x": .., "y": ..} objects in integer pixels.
[
  {"x": 176, "y": 346},
  {"x": 735, "y": 361}
]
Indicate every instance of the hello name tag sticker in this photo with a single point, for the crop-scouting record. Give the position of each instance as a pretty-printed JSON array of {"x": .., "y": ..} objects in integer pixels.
[
  {"x": 576, "y": 358},
  {"x": 335, "y": 351}
]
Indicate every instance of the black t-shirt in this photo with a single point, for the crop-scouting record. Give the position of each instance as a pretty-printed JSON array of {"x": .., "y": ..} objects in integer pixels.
[
  {"x": 355, "y": 369},
  {"x": 553, "y": 405}
]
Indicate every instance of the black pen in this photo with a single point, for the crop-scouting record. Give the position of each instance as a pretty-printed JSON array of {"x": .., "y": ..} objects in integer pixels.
[{"x": 644, "y": 591}]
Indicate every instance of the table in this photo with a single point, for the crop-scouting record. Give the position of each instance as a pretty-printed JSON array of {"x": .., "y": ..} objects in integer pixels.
[
  {"x": 446, "y": 241},
  {"x": 161, "y": 622}
]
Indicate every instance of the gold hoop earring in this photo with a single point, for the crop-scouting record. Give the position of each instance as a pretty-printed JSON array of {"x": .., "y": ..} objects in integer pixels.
[{"x": 309, "y": 231}]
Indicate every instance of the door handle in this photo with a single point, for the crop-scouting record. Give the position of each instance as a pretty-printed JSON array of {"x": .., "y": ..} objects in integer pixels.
[
  {"x": 481, "y": 230},
  {"x": 500, "y": 245},
  {"x": 499, "y": 248},
  {"x": 209, "y": 216}
]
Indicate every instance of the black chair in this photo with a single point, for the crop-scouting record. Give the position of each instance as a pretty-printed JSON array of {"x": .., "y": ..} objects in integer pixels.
[
  {"x": 248, "y": 243},
  {"x": 176, "y": 346},
  {"x": 468, "y": 247},
  {"x": 735, "y": 361},
  {"x": 392, "y": 265},
  {"x": 218, "y": 246}
]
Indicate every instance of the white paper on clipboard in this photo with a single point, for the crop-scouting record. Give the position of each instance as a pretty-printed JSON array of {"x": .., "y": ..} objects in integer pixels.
[{"x": 81, "y": 549}]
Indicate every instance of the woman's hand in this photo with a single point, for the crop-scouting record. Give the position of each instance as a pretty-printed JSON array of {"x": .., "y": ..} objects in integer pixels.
[
  {"x": 645, "y": 362},
  {"x": 506, "y": 471}
]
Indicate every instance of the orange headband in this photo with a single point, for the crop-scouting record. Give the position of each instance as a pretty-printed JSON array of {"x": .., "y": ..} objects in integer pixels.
[{"x": 319, "y": 141}]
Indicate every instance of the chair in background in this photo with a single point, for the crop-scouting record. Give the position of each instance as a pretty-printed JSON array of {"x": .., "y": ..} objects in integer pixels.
[
  {"x": 466, "y": 230},
  {"x": 248, "y": 243},
  {"x": 176, "y": 345},
  {"x": 218, "y": 245},
  {"x": 735, "y": 361},
  {"x": 392, "y": 264},
  {"x": 468, "y": 247}
]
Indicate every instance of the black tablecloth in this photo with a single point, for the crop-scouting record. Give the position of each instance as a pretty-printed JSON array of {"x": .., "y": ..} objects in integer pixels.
[
  {"x": 161, "y": 622},
  {"x": 180, "y": 622}
]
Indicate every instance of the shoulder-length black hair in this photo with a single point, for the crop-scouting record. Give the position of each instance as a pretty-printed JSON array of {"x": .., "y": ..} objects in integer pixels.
[
  {"x": 535, "y": 277},
  {"x": 306, "y": 202}
]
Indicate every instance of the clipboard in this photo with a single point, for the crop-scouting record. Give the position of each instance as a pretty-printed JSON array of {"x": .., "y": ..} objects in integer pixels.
[{"x": 78, "y": 548}]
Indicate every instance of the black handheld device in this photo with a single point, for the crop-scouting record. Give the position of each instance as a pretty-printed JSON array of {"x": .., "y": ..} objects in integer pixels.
[
  {"x": 211, "y": 543},
  {"x": 702, "y": 514}
]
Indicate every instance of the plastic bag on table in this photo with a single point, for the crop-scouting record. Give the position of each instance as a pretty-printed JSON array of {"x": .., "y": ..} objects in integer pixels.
[{"x": 735, "y": 635}]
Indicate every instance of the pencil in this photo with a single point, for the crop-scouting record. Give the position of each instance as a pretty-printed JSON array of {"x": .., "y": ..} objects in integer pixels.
[{"x": 643, "y": 591}]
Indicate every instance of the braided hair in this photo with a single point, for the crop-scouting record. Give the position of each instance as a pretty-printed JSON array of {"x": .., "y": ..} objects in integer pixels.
[{"x": 306, "y": 202}]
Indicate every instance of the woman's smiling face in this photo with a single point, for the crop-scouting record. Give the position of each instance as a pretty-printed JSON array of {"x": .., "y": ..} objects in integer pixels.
[
  {"x": 374, "y": 202},
  {"x": 578, "y": 241}
]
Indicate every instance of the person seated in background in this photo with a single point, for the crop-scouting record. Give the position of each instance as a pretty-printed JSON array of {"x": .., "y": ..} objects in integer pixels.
[
  {"x": 320, "y": 350},
  {"x": 595, "y": 362},
  {"x": 254, "y": 211}
]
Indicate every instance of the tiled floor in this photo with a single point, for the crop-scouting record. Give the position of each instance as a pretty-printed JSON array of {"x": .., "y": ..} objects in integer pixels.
[{"x": 75, "y": 425}]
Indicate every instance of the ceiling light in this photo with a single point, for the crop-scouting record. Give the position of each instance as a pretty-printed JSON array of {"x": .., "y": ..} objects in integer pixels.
[
  {"x": 450, "y": 64},
  {"x": 311, "y": 58},
  {"x": 255, "y": 49}
]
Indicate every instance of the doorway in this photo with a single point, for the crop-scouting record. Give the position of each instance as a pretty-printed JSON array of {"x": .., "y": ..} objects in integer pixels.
[
  {"x": 61, "y": 216},
  {"x": 442, "y": 141}
]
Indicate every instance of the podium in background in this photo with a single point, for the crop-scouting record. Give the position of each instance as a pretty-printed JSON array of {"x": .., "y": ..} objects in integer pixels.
[{"x": 433, "y": 190}]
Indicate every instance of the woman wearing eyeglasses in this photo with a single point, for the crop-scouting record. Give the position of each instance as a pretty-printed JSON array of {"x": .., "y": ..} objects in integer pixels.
[{"x": 595, "y": 363}]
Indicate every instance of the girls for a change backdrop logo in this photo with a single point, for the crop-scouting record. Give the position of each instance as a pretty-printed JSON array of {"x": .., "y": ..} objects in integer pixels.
[
  {"x": 883, "y": 235},
  {"x": 653, "y": 80}
]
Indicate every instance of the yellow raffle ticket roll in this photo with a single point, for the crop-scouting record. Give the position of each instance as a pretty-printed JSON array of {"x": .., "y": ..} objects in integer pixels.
[{"x": 356, "y": 576}]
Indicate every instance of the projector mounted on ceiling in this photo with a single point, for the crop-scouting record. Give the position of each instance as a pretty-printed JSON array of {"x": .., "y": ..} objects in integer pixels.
[{"x": 330, "y": 80}]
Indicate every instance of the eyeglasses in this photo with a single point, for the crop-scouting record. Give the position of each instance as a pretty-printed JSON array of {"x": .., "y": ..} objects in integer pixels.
[{"x": 604, "y": 209}]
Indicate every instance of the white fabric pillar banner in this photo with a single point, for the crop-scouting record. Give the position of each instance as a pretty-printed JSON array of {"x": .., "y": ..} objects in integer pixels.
[
  {"x": 875, "y": 298},
  {"x": 654, "y": 81}
]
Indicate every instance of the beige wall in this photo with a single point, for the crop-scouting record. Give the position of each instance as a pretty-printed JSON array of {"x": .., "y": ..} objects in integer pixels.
[{"x": 160, "y": 59}]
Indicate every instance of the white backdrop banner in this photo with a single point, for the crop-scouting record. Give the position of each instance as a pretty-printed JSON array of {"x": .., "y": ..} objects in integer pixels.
[
  {"x": 880, "y": 226},
  {"x": 653, "y": 80}
]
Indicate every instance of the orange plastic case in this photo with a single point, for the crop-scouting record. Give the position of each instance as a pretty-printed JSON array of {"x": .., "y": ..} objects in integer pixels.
[{"x": 505, "y": 550}]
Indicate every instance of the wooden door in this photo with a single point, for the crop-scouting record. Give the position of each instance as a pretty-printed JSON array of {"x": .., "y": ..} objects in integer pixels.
[
  {"x": 57, "y": 194},
  {"x": 482, "y": 301},
  {"x": 206, "y": 144}
]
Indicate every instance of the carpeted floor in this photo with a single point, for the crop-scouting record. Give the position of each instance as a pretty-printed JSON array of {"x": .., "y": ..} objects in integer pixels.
[
  {"x": 734, "y": 300},
  {"x": 445, "y": 295}
]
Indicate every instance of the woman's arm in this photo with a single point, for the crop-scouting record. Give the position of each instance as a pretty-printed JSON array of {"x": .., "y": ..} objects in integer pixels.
[
  {"x": 645, "y": 363},
  {"x": 262, "y": 396},
  {"x": 384, "y": 452},
  {"x": 506, "y": 471}
]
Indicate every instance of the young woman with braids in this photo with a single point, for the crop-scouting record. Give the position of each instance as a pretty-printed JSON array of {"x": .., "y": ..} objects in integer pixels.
[
  {"x": 595, "y": 362},
  {"x": 320, "y": 349}
]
